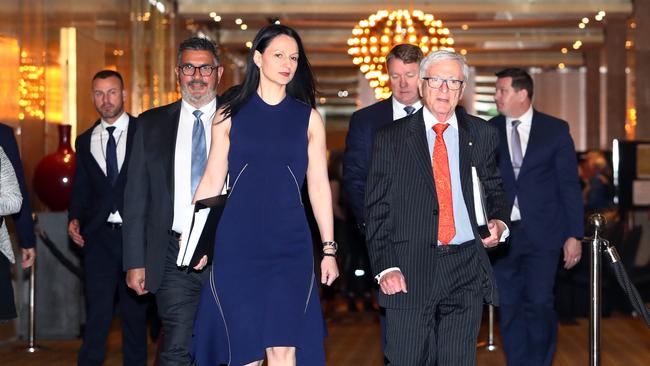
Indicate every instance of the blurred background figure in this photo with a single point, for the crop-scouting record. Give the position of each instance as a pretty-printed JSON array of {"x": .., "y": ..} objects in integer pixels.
[
  {"x": 597, "y": 186},
  {"x": 356, "y": 282},
  {"x": 10, "y": 201}
]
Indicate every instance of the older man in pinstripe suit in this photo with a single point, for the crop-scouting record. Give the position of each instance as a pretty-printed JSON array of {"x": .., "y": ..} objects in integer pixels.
[{"x": 423, "y": 239}]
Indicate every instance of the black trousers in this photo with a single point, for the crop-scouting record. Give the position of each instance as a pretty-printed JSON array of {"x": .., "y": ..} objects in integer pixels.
[
  {"x": 104, "y": 280},
  {"x": 177, "y": 300},
  {"x": 7, "y": 305},
  {"x": 444, "y": 330}
]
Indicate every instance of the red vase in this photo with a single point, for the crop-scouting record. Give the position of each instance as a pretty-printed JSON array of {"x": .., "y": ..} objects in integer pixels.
[{"x": 55, "y": 172}]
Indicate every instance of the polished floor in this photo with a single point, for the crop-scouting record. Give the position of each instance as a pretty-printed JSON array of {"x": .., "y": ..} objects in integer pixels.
[{"x": 354, "y": 341}]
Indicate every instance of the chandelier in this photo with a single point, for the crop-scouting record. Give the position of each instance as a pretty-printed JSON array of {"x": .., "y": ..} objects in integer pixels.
[{"x": 374, "y": 37}]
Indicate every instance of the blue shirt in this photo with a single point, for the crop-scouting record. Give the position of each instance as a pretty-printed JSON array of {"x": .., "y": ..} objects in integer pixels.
[{"x": 462, "y": 223}]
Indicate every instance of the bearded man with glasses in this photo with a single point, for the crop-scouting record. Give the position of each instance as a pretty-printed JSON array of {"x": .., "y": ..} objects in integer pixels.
[
  {"x": 168, "y": 157},
  {"x": 423, "y": 239}
]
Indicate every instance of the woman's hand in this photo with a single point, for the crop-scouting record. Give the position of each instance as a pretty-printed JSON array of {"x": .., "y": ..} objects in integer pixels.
[{"x": 329, "y": 270}]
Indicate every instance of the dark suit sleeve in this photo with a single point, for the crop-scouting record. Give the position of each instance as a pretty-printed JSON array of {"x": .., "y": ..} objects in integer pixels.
[
  {"x": 355, "y": 165},
  {"x": 136, "y": 196},
  {"x": 490, "y": 176},
  {"x": 80, "y": 197},
  {"x": 377, "y": 203},
  {"x": 566, "y": 166},
  {"x": 23, "y": 218}
]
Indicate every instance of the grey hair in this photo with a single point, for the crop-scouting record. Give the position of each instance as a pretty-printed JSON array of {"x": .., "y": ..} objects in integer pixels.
[
  {"x": 441, "y": 55},
  {"x": 197, "y": 44}
]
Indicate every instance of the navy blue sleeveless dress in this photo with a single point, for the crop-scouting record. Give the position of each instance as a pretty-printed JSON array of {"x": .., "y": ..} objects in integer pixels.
[{"x": 262, "y": 290}]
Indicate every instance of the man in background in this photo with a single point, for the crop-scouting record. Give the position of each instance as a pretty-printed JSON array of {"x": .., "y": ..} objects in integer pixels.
[
  {"x": 538, "y": 164},
  {"x": 169, "y": 156},
  {"x": 95, "y": 225}
]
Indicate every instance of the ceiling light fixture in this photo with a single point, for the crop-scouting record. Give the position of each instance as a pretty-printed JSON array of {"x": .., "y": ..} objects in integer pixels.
[{"x": 374, "y": 37}]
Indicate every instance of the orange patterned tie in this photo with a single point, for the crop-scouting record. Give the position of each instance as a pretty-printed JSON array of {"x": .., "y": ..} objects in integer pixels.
[{"x": 442, "y": 178}]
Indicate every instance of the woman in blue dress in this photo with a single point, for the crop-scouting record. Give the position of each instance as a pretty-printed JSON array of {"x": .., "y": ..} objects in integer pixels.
[{"x": 262, "y": 297}]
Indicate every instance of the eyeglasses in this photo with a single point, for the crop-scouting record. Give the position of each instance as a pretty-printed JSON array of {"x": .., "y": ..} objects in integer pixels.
[
  {"x": 190, "y": 70},
  {"x": 436, "y": 82}
]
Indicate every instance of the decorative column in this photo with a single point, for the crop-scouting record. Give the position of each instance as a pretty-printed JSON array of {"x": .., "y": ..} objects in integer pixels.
[
  {"x": 592, "y": 61},
  {"x": 615, "y": 55},
  {"x": 642, "y": 79}
]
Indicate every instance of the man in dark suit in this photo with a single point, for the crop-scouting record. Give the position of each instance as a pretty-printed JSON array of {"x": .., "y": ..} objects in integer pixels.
[
  {"x": 423, "y": 239},
  {"x": 403, "y": 66},
  {"x": 95, "y": 222},
  {"x": 169, "y": 155},
  {"x": 538, "y": 163},
  {"x": 402, "y": 63},
  {"x": 22, "y": 220}
]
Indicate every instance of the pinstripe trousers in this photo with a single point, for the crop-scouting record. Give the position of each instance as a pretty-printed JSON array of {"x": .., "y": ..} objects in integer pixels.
[{"x": 444, "y": 330}]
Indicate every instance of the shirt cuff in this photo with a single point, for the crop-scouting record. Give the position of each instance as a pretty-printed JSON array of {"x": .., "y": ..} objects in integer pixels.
[
  {"x": 505, "y": 234},
  {"x": 382, "y": 273}
]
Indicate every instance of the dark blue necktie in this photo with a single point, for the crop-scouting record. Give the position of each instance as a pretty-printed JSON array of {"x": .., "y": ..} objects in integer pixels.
[
  {"x": 111, "y": 160},
  {"x": 199, "y": 155},
  {"x": 409, "y": 110},
  {"x": 111, "y": 157}
]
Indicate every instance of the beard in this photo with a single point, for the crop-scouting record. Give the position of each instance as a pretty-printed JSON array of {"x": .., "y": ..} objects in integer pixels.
[
  {"x": 198, "y": 100},
  {"x": 108, "y": 111}
]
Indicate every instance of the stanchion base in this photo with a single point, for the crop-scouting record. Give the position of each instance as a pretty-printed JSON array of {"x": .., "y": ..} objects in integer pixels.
[{"x": 35, "y": 348}]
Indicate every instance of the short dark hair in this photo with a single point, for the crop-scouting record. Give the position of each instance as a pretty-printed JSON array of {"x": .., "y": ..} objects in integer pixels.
[
  {"x": 105, "y": 74},
  {"x": 408, "y": 53},
  {"x": 520, "y": 79},
  {"x": 197, "y": 44}
]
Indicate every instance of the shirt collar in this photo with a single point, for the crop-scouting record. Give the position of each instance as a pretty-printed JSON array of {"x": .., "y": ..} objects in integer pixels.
[
  {"x": 208, "y": 109},
  {"x": 397, "y": 106},
  {"x": 120, "y": 124},
  {"x": 430, "y": 120},
  {"x": 526, "y": 118}
]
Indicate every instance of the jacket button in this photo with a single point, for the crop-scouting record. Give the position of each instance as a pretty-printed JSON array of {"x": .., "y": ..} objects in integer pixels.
[{"x": 435, "y": 211}]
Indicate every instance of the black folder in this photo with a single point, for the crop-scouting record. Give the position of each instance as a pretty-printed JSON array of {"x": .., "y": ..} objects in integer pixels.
[{"x": 205, "y": 245}]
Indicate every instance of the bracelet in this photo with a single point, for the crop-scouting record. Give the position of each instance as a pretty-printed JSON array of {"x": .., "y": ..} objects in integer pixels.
[
  {"x": 331, "y": 243},
  {"x": 329, "y": 255}
]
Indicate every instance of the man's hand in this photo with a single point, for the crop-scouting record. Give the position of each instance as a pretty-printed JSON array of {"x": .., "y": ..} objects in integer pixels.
[
  {"x": 393, "y": 282},
  {"x": 496, "y": 227},
  {"x": 202, "y": 263},
  {"x": 73, "y": 231},
  {"x": 572, "y": 252},
  {"x": 29, "y": 255},
  {"x": 135, "y": 280}
]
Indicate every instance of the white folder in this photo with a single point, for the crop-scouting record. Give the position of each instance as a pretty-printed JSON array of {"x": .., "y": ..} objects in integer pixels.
[{"x": 479, "y": 199}]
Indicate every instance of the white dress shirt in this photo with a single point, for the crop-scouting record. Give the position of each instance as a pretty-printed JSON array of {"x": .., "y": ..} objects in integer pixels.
[
  {"x": 524, "y": 134},
  {"x": 98, "y": 142},
  {"x": 183, "y": 160},
  {"x": 398, "y": 108}
]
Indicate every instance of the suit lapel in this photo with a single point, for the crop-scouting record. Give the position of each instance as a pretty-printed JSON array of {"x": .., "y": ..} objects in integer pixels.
[
  {"x": 533, "y": 140},
  {"x": 506, "y": 160},
  {"x": 129, "y": 142},
  {"x": 419, "y": 148},
  {"x": 466, "y": 144},
  {"x": 85, "y": 147},
  {"x": 171, "y": 131}
]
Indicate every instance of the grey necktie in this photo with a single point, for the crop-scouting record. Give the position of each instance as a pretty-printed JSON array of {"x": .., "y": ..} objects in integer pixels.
[
  {"x": 409, "y": 110},
  {"x": 517, "y": 153},
  {"x": 199, "y": 156}
]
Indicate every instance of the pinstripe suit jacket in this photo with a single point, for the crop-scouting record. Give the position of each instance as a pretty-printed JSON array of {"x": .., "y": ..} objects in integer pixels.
[{"x": 402, "y": 207}]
